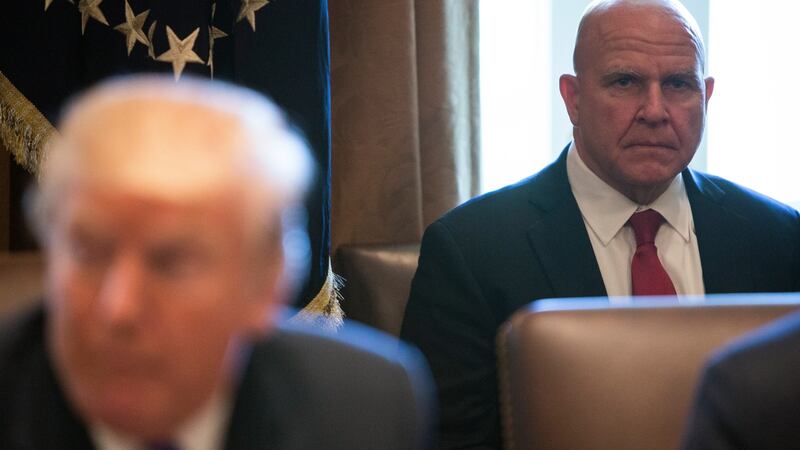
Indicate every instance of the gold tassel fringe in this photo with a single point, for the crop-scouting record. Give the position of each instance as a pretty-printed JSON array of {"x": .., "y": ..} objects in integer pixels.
[
  {"x": 325, "y": 310},
  {"x": 24, "y": 131}
]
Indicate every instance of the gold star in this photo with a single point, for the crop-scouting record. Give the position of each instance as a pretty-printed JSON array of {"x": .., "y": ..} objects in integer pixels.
[
  {"x": 150, "y": 50},
  {"x": 132, "y": 28},
  {"x": 180, "y": 51},
  {"x": 91, "y": 8},
  {"x": 47, "y": 3},
  {"x": 213, "y": 34},
  {"x": 249, "y": 8}
]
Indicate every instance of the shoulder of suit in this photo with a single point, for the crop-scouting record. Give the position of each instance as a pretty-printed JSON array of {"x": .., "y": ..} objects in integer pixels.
[
  {"x": 21, "y": 335},
  {"x": 353, "y": 344},
  {"x": 773, "y": 344},
  {"x": 355, "y": 362},
  {"x": 502, "y": 217},
  {"x": 740, "y": 198},
  {"x": 513, "y": 197}
]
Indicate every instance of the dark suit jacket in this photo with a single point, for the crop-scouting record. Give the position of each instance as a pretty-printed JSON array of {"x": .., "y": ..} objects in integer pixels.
[
  {"x": 498, "y": 252},
  {"x": 300, "y": 390},
  {"x": 749, "y": 396}
]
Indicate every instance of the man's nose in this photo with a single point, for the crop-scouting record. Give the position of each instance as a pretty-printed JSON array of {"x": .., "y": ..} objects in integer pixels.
[
  {"x": 121, "y": 294},
  {"x": 653, "y": 108}
]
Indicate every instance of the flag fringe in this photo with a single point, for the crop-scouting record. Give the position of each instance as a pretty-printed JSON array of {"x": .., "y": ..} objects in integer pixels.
[
  {"x": 325, "y": 310},
  {"x": 24, "y": 131}
]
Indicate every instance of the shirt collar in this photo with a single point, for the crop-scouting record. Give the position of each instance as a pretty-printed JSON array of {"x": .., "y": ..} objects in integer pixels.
[
  {"x": 606, "y": 210},
  {"x": 204, "y": 431}
]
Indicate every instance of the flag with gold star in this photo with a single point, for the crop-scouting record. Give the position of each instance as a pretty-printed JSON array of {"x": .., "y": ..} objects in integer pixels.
[{"x": 52, "y": 49}]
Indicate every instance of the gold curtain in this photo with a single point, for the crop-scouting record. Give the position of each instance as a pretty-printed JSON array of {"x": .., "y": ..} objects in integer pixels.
[{"x": 405, "y": 115}]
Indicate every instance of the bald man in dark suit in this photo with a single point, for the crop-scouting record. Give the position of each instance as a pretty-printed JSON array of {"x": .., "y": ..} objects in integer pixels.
[{"x": 637, "y": 102}]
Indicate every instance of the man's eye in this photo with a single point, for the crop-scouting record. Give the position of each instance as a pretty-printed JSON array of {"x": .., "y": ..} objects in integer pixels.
[
  {"x": 623, "y": 82},
  {"x": 87, "y": 252},
  {"x": 677, "y": 84},
  {"x": 173, "y": 263}
]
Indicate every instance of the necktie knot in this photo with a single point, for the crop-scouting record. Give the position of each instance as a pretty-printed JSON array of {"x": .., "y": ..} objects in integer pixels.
[{"x": 645, "y": 225}]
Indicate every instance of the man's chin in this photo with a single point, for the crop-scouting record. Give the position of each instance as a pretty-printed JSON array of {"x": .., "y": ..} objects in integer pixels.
[
  {"x": 134, "y": 413},
  {"x": 644, "y": 184},
  {"x": 652, "y": 173},
  {"x": 653, "y": 161}
]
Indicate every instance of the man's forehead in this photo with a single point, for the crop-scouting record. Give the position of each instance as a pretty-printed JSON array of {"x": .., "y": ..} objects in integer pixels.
[
  {"x": 114, "y": 213},
  {"x": 145, "y": 117},
  {"x": 90, "y": 197},
  {"x": 624, "y": 51},
  {"x": 664, "y": 20},
  {"x": 666, "y": 23},
  {"x": 156, "y": 145}
]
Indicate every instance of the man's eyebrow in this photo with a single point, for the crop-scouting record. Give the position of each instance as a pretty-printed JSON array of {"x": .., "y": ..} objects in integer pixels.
[
  {"x": 85, "y": 228},
  {"x": 688, "y": 73},
  {"x": 613, "y": 73},
  {"x": 689, "y": 76},
  {"x": 177, "y": 241}
]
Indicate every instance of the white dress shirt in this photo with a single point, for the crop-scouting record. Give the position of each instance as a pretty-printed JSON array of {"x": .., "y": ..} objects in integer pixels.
[
  {"x": 606, "y": 212},
  {"x": 205, "y": 431}
]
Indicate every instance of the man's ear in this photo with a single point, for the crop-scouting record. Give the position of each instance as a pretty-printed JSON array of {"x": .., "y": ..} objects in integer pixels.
[
  {"x": 568, "y": 86},
  {"x": 709, "y": 88}
]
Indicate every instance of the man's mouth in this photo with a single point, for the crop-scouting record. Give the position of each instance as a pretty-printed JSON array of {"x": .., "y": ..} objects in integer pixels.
[{"x": 651, "y": 144}]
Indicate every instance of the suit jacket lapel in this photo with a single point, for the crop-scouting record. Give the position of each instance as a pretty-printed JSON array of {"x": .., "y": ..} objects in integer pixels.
[
  {"x": 722, "y": 237},
  {"x": 559, "y": 237}
]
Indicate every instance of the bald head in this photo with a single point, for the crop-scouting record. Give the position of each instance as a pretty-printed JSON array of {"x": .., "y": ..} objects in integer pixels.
[{"x": 602, "y": 16}]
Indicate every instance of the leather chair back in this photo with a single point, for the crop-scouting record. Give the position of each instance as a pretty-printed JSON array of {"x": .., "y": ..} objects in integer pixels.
[
  {"x": 21, "y": 276},
  {"x": 578, "y": 374},
  {"x": 377, "y": 283}
]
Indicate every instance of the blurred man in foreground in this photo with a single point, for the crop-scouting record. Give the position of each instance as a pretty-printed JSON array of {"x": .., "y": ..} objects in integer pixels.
[{"x": 166, "y": 214}]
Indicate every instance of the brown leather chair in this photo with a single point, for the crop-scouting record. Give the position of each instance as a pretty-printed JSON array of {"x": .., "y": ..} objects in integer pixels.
[
  {"x": 578, "y": 374},
  {"x": 377, "y": 283},
  {"x": 20, "y": 280}
]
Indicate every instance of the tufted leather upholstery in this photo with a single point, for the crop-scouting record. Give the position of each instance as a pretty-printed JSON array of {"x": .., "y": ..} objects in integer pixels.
[{"x": 577, "y": 374}]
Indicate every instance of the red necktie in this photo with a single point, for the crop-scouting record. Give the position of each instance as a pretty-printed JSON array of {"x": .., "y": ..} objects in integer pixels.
[{"x": 648, "y": 276}]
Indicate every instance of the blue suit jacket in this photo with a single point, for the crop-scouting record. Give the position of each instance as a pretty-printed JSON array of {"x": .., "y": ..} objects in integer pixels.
[
  {"x": 488, "y": 257},
  {"x": 749, "y": 396}
]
